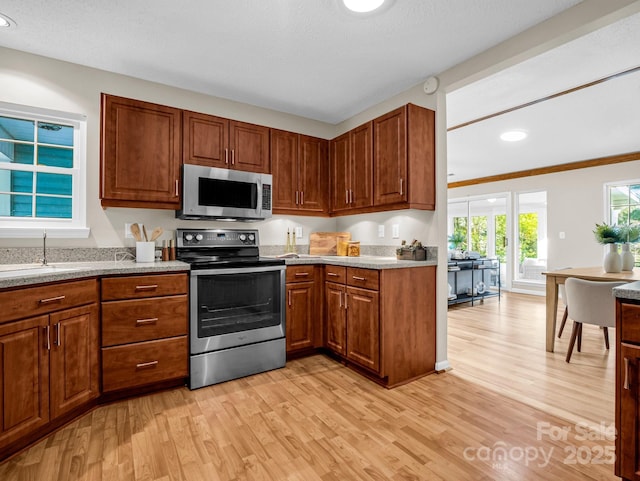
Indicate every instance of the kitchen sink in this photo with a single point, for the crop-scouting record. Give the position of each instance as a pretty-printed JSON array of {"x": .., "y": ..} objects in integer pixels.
[{"x": 18, "y": 270}]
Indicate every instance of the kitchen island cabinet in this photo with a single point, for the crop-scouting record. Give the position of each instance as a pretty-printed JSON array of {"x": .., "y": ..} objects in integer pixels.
[
  {"x": 627, "y": 405},
  {"x": 382, "y": 322}
]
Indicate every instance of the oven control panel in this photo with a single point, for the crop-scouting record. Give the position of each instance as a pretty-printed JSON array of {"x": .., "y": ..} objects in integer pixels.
[{"x": 217, "y": 237}]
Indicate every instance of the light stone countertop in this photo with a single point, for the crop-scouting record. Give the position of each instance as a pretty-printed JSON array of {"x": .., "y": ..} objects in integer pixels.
[
  {"x": 628, "y": 291},
  {"x": 368, "y": 262},
  {"x": 16, "y": 275}
]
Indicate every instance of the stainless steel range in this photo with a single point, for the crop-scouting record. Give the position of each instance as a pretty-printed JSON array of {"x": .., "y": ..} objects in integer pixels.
[{"x": 237, "y": 305}]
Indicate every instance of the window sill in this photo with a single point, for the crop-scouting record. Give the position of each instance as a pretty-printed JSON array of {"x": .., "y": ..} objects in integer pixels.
[{"x": 36, "y": 232}]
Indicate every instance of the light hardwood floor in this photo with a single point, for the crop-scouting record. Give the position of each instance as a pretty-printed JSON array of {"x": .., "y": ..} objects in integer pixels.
[{"x": 317, "y": 420}]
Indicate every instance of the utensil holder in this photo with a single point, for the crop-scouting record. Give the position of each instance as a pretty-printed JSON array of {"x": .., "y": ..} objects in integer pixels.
[{"x": 145, "y": 251}]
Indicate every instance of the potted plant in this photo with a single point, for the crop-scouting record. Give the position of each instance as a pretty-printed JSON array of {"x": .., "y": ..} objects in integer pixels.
[
  {"x": 629, "y": 234},
  {"x": 610, "y": 235},
  {"x": 455, "y": 241}
]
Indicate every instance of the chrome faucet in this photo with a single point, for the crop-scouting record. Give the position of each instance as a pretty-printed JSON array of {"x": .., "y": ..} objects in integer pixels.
[{"x": 44, "y": 247}]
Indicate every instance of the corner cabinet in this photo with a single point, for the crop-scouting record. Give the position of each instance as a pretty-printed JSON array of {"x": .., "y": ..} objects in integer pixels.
[
  {"x": 140, "y": 154},
  {"x": 299, "y": 167},
  {"x": 382, "y": 322},
  {"x": 218, "y": 142},
  {"x": 473, "y": 280},
  {"x": 48, "y": 358},
  {"x": 627, "y": 403}
]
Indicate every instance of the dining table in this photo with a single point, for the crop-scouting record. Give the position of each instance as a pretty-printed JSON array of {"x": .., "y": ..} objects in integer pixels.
[{"x": 557, "y": 277}]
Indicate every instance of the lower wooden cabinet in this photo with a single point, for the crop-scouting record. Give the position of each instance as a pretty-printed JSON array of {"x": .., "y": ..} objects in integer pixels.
[
  {"x": 628, "y": 390},
  {"x": 48, "y": 363},
  {"x": 144, "y": 330},
  {"x": 74, "y": 358},
  {"x": 382, "y": 320},
  {"x": 302, "y": 304},
  {"x": 24, "y": 378}
]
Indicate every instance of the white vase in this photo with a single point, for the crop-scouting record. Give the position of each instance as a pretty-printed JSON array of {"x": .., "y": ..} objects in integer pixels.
[
  {"x": 612, "y": 260},
  {"x": 628, "y": 260}
]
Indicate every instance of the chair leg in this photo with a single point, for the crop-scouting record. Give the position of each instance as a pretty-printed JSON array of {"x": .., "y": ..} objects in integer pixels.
[
  {"x": 572, "y": 341},
  {"x": 564, "y": 321},
  {"x": 605, "y": 331},
  {"x": 580, "y": 337}
]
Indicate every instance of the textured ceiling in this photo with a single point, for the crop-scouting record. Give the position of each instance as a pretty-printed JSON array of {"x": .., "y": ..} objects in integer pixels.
[{"x": 306, "y": 57}]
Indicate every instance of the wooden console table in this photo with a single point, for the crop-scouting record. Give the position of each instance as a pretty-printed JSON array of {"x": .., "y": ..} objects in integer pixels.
[{"x": 555, "y": 278}]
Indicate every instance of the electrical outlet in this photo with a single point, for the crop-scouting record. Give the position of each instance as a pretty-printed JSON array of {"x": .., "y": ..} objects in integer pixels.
[
  {"x": 395, "y": 231},
  {"x": 127, "y": 231},
  {"x": 298, "y": 232},
  {"x": 381, "y": 230}
]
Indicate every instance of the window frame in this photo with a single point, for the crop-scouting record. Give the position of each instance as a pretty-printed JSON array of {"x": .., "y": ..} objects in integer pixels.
[{"x": 76, "y": 226}]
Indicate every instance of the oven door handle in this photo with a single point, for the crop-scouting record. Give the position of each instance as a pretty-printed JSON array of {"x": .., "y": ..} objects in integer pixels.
[{"x": 236, "y": 270}]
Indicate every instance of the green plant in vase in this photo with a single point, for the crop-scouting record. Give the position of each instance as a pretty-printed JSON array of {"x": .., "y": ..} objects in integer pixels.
[{"x": 610, "y": 235}]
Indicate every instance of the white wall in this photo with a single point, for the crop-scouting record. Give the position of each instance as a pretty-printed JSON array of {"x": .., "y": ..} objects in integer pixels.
[{"x": 575, "y": 203}]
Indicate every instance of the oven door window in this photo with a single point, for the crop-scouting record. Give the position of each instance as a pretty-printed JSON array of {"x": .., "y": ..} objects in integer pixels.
[{"x": 230, "y": 303}]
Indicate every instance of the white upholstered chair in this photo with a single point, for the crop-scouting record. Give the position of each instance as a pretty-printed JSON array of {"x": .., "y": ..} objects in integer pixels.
[
  {"x": 589, "y": 302},
  {"x": 563, "y": 296}
]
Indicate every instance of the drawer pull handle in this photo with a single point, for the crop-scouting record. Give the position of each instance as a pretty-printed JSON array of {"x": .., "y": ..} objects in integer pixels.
[
  {"x": 358, "y": 278},
  {"x": 144, "y": 365},
  {"x": 332, "y": 274},
  {"x": 302, "y": 274},
  {"x": 626, "y": 373},
  {"x": 52, "y": 299},
  {"x": 147, "y": 288},
  {"x": 151, "y": 320}
]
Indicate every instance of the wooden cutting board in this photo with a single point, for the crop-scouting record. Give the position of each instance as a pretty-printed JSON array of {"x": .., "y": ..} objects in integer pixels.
[{"x": 325, "y": 243}]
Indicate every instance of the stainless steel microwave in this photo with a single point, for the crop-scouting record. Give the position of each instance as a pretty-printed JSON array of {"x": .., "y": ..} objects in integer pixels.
[{"x": 222, "y": 194}]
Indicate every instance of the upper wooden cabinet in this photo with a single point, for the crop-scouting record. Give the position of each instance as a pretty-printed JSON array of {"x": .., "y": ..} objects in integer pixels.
[
  {"x": 351, "y": 168},
  {"x": 140, "y": 154},
  {"x": 404, "y": 158},
  {"x": 299, "y": 167},
  {"x": 229, "y": 144}
]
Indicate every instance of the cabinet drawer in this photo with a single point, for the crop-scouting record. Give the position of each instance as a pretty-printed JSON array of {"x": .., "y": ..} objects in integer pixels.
[
  {"x": 33, "y": 301},
  {"x": 365, "y": 278},
  {"x": 630, "y": 323},
  {"x": 335, "y": 274},
  {"x": 136, "y": 287},
  {"x": 300, "y": 273},
  {"x": 144, "y": 363},
  {"x": 143, "y": 320}
]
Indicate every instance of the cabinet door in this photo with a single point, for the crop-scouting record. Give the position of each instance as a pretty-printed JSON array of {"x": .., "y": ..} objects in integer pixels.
[
  {"x": 74, "y": 358},
  {"x": 312, "y": 173},
  {"x": 249, "y": 147},
  {"x": 140, "y": 157},
  {"x": 339, "y": 174},
  {"x": 336, "y": 317},
  {"x": 628, "y": 445},
  {"x": 362, "y": 166},
  {"x": 206, "y": 140},
  {"x": 300, "y": 313},
  {"x": 24, "y": 378},
  {"x": 363, "y": 327},
  {"x": 284, "y": 165},
  {"x": 390, "y": 157}
]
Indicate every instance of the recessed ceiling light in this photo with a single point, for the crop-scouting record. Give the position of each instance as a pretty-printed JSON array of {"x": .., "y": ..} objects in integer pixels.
[
  {"x": 6, "y": 21},
  {"x": 513, "y": 135},
  {"x": 491, "y": 200},
  {"x": 363, "y": 6}
]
